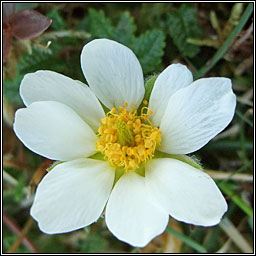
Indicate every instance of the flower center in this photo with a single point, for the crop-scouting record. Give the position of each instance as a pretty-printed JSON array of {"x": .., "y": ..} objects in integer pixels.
[{"x": 127, "y": 139}]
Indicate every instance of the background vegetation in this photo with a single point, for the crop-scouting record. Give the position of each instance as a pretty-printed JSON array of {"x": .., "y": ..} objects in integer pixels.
[{"x": 212, "y": 39}]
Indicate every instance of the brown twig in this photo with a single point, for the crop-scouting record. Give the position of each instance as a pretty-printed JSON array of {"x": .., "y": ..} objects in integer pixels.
[
  {"x": 229, "y": 175},
  {"x": 17, "y": 165},
  {"x": 20, "y": 233},
  {"x": 40, "y": 172}
]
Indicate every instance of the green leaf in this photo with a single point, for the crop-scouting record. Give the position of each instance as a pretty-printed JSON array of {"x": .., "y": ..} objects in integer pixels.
[
  {"x": 153, "y": 15},
  {"x": 58, "y": 23},
  {"x": 99, "y": 25},
  {"x": 95, "y": 242},
  {"x": 41, "y": 58},
  {"x": 125, "y": 29},
  {"x": 183, "y": 24},
  {"x": 148, "y": 48}
]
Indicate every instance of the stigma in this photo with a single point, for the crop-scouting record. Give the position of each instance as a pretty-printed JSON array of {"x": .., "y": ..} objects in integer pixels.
[{"x": 127, "y": 139}]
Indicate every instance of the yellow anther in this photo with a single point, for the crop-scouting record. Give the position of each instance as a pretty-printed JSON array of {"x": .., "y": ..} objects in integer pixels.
[
  {"x": 112, "y": 111},
  {"x": 145, "y": 102},
  {"x": 150, "y": 112},
  {"x": 127, "y": 139}
]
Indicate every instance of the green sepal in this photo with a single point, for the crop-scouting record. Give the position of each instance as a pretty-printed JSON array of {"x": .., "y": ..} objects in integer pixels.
[
  {"x": 149, "y": 84},
  {"x": 192, "y": 161},
  {"x": 97, "y": 156},
  {"x": 118, "y": 173},
  {"x": 54, "y": 165},
  {"x": 141, "y": 170}
]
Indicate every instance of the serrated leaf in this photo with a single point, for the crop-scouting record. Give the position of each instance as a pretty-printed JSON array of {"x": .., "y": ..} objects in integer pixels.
[
  {"x": 40, "y": 58},
  {"x": 152, "y": 15},
  {"x": 148, "y": 48},
  {"x": 99, "y": 25},
  {"x": 58, "y": 23},
  {"x": 125, "y": 29},
  {"x": 183, "y": 24}
]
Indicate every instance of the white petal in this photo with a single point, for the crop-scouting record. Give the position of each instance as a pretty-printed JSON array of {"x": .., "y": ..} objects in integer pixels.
[
  {"x": 52, "y": 86},
  {"x": 72, "y": 195},
  {"x": 54, "y": 130},
  {"x": 173, "y": 78},
  {"x": 130, "y": 215},
  {"x": 196, "y": 114},
  {"x": 113, "y": 73},
  {"x": 188, "y": 194}
]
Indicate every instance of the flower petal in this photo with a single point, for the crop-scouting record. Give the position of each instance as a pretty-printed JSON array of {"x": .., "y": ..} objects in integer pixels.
[
  {"x": 52, "y": 86},
  {"x": 113, "y": 73},
  {"x": 187, "y": 193},
  {"x": 173, "y": 78},
  {"x": 130, "y": 216},
  {"x": 54, "y": 130},
  {"x": 72, "y": 195},
  {"x": 196, "y": 114},
  {"x": 27, "y": 24}
]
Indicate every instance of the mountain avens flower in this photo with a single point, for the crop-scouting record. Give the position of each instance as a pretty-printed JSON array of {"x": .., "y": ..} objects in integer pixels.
[{"x": 64, "y": 120}]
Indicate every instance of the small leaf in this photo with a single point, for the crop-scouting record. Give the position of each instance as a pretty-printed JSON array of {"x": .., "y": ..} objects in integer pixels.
[
  {"x": 149, "y": 49},
  {"x": 100, "y": 26},
  {"x": 124, "y": 32},
  {"x": 27, "y": 24},
  {"x": 183, "y": 24}
]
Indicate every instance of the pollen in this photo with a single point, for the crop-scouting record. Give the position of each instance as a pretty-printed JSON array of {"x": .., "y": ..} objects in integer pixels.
[{"x": 127, "y": 139}]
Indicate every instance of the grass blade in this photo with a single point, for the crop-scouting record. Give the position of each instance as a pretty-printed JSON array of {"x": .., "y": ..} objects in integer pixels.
[
  {"x": 187, "y": 240},
  {"x": 236, "y": 199},
  {"x": 222, "y": 50},
  {"x": 229, "y": 228}
]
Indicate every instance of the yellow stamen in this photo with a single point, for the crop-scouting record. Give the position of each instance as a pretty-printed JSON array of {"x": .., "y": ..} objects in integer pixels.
[
  {"x": 126, "y": 139},
  {"x": 145, "y": 102}
]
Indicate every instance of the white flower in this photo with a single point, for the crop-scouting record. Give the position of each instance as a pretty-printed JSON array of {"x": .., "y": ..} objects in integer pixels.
[{"x": 61, "y": 121}]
